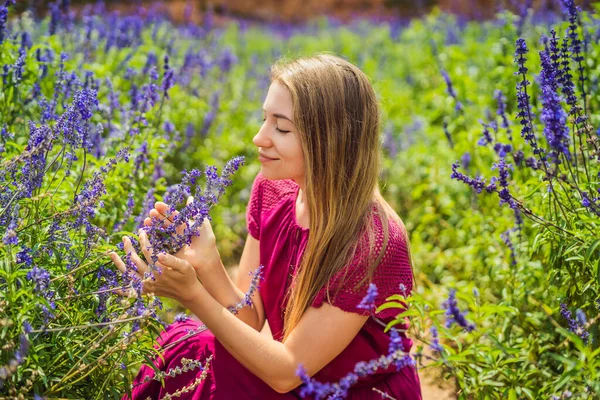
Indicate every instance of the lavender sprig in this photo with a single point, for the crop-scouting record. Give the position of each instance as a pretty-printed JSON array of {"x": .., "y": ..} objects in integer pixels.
[
  {"x": 451, "y": 91},
  {"x": 339, "y": 390},
  {"x": 524, "y": 115},
  {"x": 169, "y": 239},
  {"x": 368, "y": 302},
  {"x": 454, "y": 315},
  {"x": 577, "y": 326},
  {"x": 247, "y": 300}
]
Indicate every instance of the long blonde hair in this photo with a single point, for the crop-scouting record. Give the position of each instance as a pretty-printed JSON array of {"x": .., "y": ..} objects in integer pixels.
[{"x": 337, "y": 117}]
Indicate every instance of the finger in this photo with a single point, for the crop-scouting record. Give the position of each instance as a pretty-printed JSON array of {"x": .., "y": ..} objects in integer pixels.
[
  {"x": 145, "y": 245},
  {"x": 176, "y": 263},
  {"x": 162, "y": 208},
  {"x": 123, "y": 268},
  {"x": 118, "y": 262},
  {"x": 140, "y": 264},
  {"x": 189, "y": 201},
  {"x": 166, "y": 219}
]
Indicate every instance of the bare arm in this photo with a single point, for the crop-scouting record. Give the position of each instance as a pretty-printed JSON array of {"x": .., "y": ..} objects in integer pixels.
[
  {"x": 320, "y": 336},
  {"x": 220, "y": 286}
]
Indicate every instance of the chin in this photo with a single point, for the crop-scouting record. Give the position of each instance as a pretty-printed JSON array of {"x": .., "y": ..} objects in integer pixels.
[{"x": 273, "y": 174}]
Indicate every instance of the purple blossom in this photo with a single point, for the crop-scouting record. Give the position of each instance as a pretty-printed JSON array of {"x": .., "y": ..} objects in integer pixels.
[
  {"x": 476, "y": 183},
  {"x": 368, "y": 302},
  {"x": 450, "y": 90},
  {"x": 40, "y": 279},
  {"x": 572, "y": 12},
  {"x": 151, "y": 61},
  {"x": 55, "y": 17},
  {"x": 454, "y": 315},
  {"x": 501, "y": 112},
  {"x": 502, "y": 149},
  {"x": 19, "y": 66},
  {"x": 505, "y": 236},
  {"x": 256, "y": 278},
  {"x": 435, "y": 341},
  {"x": 575, "y": 326},
  {"x": 553, "y": 116},
  {"x": 465, "y": 160},
  {"x": 168, "y": 78},
  {"x": 210, "y": 116},
  {"x": 227, "y": 60},
  {"x": 181, "y": 317},
  {"x": 24, "y": 256},
  {"x": 3, "y": 20},
  {"x": 448, "y": 135},
  {"x": 487, "y": 137}
]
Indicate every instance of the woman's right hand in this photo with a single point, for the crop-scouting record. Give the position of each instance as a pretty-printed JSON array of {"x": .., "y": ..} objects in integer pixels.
[{"x": 202, "y": 253}]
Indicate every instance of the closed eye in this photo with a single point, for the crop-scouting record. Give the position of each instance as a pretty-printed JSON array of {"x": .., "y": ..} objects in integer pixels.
[{"x": 277, "y": 129}]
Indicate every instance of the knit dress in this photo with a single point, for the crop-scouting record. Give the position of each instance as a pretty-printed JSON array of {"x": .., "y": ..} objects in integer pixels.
[{"x": 271, "y": 218}]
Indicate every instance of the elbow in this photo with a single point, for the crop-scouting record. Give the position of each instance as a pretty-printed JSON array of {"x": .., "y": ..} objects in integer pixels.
[{"x": 286, "y": 386}]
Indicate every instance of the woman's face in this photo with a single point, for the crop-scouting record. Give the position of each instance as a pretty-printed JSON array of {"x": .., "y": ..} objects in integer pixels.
[{"x": 279, "y": 149}]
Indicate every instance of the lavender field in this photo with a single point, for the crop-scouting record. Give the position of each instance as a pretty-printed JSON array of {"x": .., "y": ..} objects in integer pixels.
[{"x": 491, "y": 135}]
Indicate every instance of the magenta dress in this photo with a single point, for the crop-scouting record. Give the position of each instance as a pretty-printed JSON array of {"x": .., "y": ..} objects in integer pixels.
[{"x": 271, "y": 219}]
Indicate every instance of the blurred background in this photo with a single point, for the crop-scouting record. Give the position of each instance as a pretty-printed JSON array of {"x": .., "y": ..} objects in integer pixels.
[{"x": 301, "y": 10}]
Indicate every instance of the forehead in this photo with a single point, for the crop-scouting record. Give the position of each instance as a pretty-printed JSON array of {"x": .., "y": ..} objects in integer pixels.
[{"x": 279, "y": 99}]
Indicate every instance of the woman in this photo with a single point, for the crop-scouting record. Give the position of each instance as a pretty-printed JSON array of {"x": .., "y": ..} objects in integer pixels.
[{"x": 319, "y": 150}]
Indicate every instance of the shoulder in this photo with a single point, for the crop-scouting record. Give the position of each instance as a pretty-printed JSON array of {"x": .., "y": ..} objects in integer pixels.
[
  {"x": 271, "y": 192},
  {"x": 383, "y": 231}
]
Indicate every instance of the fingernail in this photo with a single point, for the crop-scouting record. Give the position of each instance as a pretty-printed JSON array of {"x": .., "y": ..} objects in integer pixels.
[{"x": 124, "y": 238}]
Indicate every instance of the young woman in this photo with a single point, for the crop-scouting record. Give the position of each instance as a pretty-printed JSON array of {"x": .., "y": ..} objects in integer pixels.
[{"x": 322, "y": 231}]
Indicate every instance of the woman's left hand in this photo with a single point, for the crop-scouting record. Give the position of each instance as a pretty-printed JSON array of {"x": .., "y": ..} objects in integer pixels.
[{"x": 176, "y": 280}]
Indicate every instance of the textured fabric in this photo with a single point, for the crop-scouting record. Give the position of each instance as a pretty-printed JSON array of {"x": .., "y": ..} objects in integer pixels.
[
  {"x": 226, "y": 378},
  {"x": 271, "y": 218}
]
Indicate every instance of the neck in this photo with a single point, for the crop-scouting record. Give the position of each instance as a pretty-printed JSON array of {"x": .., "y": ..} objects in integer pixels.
[{"x": 302, "y": 207}]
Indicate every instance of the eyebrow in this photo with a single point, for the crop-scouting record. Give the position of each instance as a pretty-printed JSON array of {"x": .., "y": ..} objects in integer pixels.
[{"x": 280, "y": 116}]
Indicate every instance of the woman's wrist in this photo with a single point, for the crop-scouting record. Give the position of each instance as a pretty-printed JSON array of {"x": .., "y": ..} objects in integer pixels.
[{"x": 209, "y": 264}]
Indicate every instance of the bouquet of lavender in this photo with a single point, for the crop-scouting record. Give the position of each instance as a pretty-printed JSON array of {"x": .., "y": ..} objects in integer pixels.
[{"x": 170, "y": 238}]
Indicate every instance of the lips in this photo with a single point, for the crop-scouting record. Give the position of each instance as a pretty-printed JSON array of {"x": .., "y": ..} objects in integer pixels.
[{"x": 267, "y": 157}]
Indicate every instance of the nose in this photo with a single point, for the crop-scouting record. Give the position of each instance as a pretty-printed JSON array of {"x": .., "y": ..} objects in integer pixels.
[{"x": 262, "y": 138}]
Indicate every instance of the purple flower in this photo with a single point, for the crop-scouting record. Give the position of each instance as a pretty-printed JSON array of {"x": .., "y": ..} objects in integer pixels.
[
  {"x": 40, "y": 278},
  {"x": 3, "y": 19},
  {"x": 502, "y": 149},
  {"x": 501, "y": 112},
  {"x": 575, "y": 325},
  {"x": 181, "y": 317},
  {"x": 448, "y": 135},
  {"x": 435, "y": 341},
  {"x": 465, "y": 160},
  {"x": 227, "y": 60},
  {"x": 505, "y": 236},
  {"x": 553, "y": 116},
  {"x": 368, "y": 302},
  {"x": 451, "y": 91},
  {"x": 487, "y": 137},
  {"x": 168, "y": 78},
  {"x": 524, "y": 115},
  {"x": 476, "y": 183},
  {"x": 454, "y": 315},
  {"x": 24, "y": 256},
  {"x": 210, "y": 116}
]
